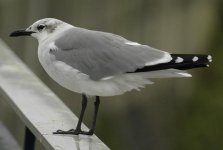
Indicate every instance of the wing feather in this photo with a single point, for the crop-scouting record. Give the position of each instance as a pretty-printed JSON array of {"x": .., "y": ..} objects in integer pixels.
[{"x": 101, "y": 54}]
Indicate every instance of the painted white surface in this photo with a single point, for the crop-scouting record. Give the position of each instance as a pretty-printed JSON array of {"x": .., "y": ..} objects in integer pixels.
[{"x": 39, "y": 108}]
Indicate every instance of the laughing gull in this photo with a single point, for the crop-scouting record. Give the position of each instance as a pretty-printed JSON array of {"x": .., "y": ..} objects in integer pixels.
[{"x": 96, "y": 63}]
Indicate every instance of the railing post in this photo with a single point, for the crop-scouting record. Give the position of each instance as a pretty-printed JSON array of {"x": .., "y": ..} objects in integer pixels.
[{"x": 29, "y": 141}]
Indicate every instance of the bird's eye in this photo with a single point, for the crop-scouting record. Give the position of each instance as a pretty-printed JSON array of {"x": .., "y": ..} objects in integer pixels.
[{"x": 40, "y": 27}]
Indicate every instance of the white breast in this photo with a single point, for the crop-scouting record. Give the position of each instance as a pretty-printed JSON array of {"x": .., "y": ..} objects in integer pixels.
[{"x": 63, "y": 74}]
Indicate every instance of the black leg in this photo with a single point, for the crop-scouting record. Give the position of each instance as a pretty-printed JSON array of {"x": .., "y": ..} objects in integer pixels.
[
  {"x": 96, "y": 107},
  {"x": 78, "y": 127},
  {"x": 84, "y": 105}
]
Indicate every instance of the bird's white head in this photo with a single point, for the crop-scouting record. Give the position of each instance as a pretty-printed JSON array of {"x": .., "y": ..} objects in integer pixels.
[{"x": 42, "y": 29}]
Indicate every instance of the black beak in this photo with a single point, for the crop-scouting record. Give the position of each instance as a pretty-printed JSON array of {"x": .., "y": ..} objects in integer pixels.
[{"x": 21, "y": 33}]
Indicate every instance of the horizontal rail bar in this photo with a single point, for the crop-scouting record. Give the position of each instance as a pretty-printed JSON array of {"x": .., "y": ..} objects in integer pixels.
[{"x": 38, "y": 107}]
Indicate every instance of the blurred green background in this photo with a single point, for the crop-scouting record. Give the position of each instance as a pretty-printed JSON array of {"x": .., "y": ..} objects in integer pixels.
[{"x": 172, "y": 114}]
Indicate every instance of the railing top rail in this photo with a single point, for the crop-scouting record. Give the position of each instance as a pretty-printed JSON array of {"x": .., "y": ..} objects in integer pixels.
[{"x": 38, "y": 107}]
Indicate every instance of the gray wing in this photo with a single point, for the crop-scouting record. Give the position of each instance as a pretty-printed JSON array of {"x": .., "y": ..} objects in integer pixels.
[{"x": 100, "y": 54}]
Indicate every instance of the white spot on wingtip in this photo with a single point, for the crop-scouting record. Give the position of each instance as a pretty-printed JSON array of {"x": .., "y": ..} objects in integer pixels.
[
  {"x": 195, "y": 59},
  {"x": 209, "y": 58},
  {"x": 132, "y": 43},
  {"x": 179, "y": 60}
]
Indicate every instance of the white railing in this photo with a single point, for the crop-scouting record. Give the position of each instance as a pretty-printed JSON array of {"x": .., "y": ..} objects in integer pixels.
[{"x": 39, "y": 108}]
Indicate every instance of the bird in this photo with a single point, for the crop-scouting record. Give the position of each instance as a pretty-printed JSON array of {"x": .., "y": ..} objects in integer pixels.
[{"x": 96, "y": 63}]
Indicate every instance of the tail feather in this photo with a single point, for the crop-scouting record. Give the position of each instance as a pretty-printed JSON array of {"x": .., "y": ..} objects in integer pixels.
[{"x": 181, "y": 62}]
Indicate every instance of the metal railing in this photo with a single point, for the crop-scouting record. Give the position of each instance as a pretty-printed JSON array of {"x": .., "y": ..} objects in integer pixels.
[{"x": 39, "y": 108}]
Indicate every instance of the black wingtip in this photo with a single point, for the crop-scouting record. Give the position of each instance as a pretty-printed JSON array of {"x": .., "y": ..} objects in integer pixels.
[{"x": 181, "y": 62}]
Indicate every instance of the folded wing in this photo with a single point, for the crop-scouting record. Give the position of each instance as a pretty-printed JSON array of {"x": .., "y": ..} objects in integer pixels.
[{"x": 100, "y": 54}]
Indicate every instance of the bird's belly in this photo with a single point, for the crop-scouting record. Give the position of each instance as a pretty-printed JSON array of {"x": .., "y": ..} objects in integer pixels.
[
  {"x": 74, "y": 80},
  {"x": 63, "y": 74}
]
